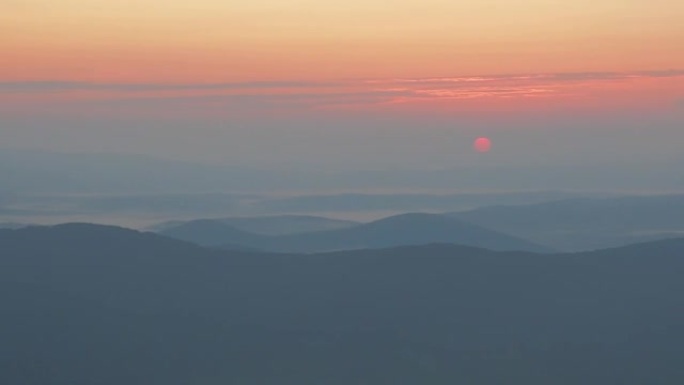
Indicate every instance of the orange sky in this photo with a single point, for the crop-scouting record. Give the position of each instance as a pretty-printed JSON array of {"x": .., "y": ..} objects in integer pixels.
[
  {"x": 210, "y": 41},
  {"x": 213, "y": 40}
]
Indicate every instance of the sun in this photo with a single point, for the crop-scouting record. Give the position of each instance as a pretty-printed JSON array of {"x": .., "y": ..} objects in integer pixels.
[{"x": 482, "y": 144}]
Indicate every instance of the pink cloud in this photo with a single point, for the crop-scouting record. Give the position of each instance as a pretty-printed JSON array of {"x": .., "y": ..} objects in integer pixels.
[{"x": 458, "y": 93}]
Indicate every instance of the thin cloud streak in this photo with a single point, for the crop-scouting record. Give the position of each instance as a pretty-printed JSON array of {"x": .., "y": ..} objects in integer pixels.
[
  {"x": 51, "y": 86},
  {"x": 568, "y": 77},
  {"x": 301, "y": 96},
  {"x": 57, "y": 86}
]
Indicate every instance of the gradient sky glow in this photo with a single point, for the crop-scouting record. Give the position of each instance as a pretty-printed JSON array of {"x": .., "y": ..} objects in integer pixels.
[
  {"x": 212, "y": 40},
  {"x": 251, "y": 73}
]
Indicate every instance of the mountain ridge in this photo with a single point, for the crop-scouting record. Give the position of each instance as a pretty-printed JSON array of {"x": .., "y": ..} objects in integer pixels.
[
  {"x": 99, "y": 304},
  {"x": 587, "y": 223},
  {"x": 405, "y": 229}
]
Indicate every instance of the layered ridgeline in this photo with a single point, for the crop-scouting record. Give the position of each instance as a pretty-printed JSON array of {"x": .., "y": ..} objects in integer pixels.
[
  {"x": 11, "y": 225},
  {"x": 588, "y": 223},
  {"x": 272, "y": 224},
  {"x": 85, "y": 304},
  {"x": 400, "y": 230}
]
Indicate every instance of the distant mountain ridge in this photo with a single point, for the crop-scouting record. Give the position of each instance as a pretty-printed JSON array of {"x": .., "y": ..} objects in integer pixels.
[
  {"x": 272, "y": 225},
  {"x": 12, "y": 225},
  {"x": 585, "y": 224},
  {"x": 400, "y": 230}
]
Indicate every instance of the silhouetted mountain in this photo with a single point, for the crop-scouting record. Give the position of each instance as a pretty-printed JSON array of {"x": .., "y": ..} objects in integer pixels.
[
  {"x": 400, "y": 230},
  {"x": 208, "y": 232},
  {"x": 273, "y": 225},
  {"x": 584, "y": 224},
  {"x": 86, "y": 304},
  {"x": 11, "y": 225},
  {"x": 91, "y": 244}
]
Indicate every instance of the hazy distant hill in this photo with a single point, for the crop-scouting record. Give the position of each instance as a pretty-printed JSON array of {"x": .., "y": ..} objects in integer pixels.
[
  {"x": 207, "y": 232},
  {"x": 273, "y": 225},
  {"x": 11, "y": 225},
  {"x": 400, "y": 230},
  {"x": 583, "y": 224},
  {"x": 87, "y": 304},
  {"x": 402, "y": 202},
  {"x": 138, "y": 189}
]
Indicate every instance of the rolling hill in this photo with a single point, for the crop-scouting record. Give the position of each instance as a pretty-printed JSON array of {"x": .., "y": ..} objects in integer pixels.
[
  {"x": 585, "y": 224},
  {"x": 86, "y": 304},
  {"x": 400, "y": 230},
  {"x": 272, "y": 225}
]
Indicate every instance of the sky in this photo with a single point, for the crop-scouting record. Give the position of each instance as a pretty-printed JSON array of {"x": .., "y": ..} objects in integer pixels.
[{"x": 360, "y": 84}]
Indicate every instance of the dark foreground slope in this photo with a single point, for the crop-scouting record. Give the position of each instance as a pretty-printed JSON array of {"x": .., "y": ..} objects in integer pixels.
[
  {"x": 98, "y": 305},
  {"x": 398, "y": 230}
]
